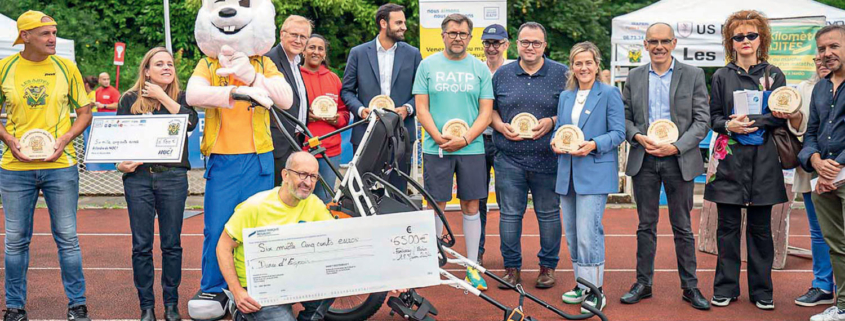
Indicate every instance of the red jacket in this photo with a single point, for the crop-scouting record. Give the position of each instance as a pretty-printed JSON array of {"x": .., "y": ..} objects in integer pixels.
[{"x": 325, "y": 83}]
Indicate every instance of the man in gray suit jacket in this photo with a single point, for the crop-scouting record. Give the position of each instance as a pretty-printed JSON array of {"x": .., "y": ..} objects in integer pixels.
[
  {"x": 384, "y": 66},
  {"x": 665, "y": 89}
]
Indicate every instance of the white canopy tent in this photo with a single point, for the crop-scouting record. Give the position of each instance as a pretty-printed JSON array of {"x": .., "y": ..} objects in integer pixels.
[
  {"x": 9, "y": 32},
  {"x": 698, "y": 25}
]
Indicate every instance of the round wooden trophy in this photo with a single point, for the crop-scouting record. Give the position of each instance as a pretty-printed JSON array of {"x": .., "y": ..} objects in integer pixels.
[
  {"x": 455, "y": 128},
  {"x": 785, "y": 99},
  {"x": 663, "y": 131},
  {"x": 523, "y": 123},
  {"x": 324, "y": 107},
  {"x": 37, "y": 144},
  {"x": 383, "y": 102},
  {"x": 568, "y": 138}
]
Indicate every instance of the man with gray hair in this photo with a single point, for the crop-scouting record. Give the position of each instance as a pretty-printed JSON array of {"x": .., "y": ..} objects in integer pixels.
[
  {"x": 665, "y": 90},
  {"x": 824, "y": 153}
]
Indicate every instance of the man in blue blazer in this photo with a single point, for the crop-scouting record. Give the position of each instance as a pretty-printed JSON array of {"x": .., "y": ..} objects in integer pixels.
[{"x": 384, "y": 66}]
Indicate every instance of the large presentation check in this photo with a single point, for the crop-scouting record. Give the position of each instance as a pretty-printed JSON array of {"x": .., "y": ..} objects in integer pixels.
[
  {"x": 319, "y": 260},
  {"x": 147, "y": 138}
]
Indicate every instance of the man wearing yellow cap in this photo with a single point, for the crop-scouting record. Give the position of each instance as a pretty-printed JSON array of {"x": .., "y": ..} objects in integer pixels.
[{"x": 40, "y": 91}]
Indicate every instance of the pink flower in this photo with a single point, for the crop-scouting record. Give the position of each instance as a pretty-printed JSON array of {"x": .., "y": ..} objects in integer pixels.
[{"x": 720, "y": 150}]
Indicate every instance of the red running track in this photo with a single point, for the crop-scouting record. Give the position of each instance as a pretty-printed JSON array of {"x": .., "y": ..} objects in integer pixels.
[{"x": 106, "y": 248}]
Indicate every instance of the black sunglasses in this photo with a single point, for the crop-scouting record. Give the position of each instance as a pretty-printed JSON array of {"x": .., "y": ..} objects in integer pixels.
[{"x": 751, "y": 36}]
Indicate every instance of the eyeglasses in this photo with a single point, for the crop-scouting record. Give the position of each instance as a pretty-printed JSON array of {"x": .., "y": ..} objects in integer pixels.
[
  {"x": 303, "y": 176},
  {"x": 494, "y": 44},
  {"x": 526, "y": 43},
  {"x": 656, "y": 42},
  {"x": 751, "y": 37},
  {"x": 297, "y": 36},
  {"x": 454, "y": 35}
]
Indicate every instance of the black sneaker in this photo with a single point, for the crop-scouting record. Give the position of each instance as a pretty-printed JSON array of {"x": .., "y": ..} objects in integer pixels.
[
  {"x": 721, "y": 301},
  {"x": 15, "y": 315},
  {"x": 78, "y": 313},
  {"x": 765, "y": 304},
  {"x": 814, "y": 297}
]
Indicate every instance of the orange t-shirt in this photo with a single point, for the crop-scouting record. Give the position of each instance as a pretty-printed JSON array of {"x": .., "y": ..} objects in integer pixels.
[{"x": 236, "y": 132}]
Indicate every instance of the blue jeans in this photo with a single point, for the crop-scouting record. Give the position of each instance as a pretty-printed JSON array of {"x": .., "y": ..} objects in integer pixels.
[
  {"x": 19, "y": 191},
  {"x": 512, "y": 186},
  {"x": 329, "y": 175},
  {"x": 822, "y": 268},
  {"x": 148, "y": 193},
  {"x": 313, "y": 311},
  {"x": 582, "y": 216}
]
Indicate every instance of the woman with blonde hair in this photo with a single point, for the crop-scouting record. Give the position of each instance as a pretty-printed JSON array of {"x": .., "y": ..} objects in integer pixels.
[
  {"x": 586, "y": 176},
  {"x": 156, "y": 188},
  {"x": 748, "y": 173}
]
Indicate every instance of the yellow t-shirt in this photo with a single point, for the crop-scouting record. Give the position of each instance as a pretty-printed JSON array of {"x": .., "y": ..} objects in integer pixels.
[
  {"x": 40, "y": 95},
  {"x": 236, "y": 124},
  {"x": 92, "y": 96},
  {"x": 267, "y": 209}
]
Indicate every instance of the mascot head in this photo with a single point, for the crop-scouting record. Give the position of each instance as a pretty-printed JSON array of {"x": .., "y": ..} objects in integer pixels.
[{"x": 245, "y": 25}]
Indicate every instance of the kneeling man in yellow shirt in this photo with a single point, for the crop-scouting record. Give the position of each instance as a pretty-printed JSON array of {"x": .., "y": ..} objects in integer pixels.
[{"x": 291, "y": 203}]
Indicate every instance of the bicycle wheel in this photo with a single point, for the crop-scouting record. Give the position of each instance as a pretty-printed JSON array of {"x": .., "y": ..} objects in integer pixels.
[{"x": 356, "y": 307}]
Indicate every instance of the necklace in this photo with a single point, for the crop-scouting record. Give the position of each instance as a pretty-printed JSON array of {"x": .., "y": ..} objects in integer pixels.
[{"x": 581, "y": 99}]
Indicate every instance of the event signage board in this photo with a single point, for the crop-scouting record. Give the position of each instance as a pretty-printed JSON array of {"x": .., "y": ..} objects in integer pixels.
[
  {"x": 700, "y": 44},
  {"x": 482, "y": 14},
  {"x": 327, "y": 259}
]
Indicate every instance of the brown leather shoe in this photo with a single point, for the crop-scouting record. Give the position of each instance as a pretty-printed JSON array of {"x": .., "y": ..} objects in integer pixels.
[
  {"x": 546, "y": 279},
  {"x": 512, "y": 277}
]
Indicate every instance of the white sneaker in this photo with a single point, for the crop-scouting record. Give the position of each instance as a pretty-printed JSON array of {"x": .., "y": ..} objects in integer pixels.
[{"x": 830, "y": 314}]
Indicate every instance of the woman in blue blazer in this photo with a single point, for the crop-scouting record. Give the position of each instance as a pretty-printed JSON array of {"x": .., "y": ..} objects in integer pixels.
[{"x": 586, "y": 176}]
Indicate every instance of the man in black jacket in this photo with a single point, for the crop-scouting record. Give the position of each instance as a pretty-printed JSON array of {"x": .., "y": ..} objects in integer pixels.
[{"x": 293, "y": 35}]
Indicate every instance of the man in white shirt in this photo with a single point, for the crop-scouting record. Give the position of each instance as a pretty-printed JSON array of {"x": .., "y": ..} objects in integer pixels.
[
  {"x": 294, "y": 33},
  {"x": 384, "y": 66}
]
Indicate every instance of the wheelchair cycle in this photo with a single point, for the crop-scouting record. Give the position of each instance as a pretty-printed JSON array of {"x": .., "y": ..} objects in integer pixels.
[{"x": 365, "y": 191}]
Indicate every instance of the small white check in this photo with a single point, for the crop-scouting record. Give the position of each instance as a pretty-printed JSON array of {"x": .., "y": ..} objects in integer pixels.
[
  {"x": 142, "y": 138},
  {"x": 327, "y": 259}
]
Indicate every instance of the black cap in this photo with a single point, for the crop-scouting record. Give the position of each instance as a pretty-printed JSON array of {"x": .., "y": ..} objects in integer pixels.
[{"x": 494, "y": 32}]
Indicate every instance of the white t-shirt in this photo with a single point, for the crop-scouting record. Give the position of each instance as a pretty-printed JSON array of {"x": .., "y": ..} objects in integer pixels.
[{"x": 580, "y": 99}]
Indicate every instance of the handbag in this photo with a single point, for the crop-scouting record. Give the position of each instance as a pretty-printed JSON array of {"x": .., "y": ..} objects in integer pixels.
[{"x": 787, "y": 143}]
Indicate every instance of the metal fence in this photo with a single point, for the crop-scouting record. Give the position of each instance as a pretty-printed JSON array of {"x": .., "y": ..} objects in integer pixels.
[{"x": 110, "y": 183}]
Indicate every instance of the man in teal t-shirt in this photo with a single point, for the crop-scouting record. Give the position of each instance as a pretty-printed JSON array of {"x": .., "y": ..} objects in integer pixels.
[{"x": 454, "y": 85}]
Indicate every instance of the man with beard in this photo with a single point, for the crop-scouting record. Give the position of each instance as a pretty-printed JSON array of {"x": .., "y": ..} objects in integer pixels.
[
  {"x": 291, "y": 203},
  {"x": 384, "y": 66},
  {"x": 294, "y": 32},
  {"x": 456, "y": 86},
  {"x": 824, "y": 153},
  {"x": 494, "y": 38}
]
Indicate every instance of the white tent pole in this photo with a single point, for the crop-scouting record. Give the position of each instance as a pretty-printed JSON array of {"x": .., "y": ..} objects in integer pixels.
[{"x": 167, "y": 42}]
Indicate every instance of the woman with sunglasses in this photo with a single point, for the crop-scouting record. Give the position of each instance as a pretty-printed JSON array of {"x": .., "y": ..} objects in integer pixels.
[
  {"x": 320, "y": 81},
  {"x": 161, "y": 188},
  {"x": 748, "y": 171}
]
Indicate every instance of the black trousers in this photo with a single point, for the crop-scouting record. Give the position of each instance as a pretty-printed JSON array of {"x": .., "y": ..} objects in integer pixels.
[
  {"x": 654, "y": 172},
  {"x": 760, "y": 248},
  {"x": 489, "y": 156}
]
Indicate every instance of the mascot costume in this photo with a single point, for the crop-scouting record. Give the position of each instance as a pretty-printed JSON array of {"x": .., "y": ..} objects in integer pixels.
[{"x": 234, "y": 35}]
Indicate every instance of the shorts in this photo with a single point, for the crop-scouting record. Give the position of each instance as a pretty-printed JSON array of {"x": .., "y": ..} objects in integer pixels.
[{"x": 467, "y": 169}]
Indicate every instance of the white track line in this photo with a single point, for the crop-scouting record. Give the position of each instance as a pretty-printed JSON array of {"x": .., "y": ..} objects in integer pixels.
[
  {"x": 129, "y": 269},
  {"x": 457, "y": 235}
]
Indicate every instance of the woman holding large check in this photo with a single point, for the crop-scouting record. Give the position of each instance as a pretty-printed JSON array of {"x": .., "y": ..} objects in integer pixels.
[
  {"x": 748, "y": 173},
  {"x": 156, "y": 188}
]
